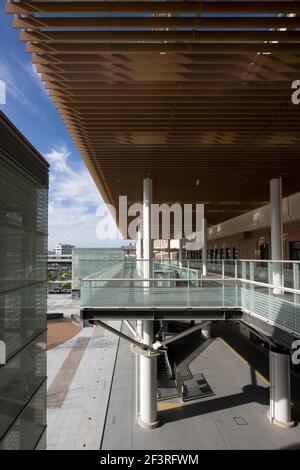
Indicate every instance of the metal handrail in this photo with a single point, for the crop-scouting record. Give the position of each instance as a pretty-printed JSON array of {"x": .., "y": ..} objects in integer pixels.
[{"x": 207, "y": 280}]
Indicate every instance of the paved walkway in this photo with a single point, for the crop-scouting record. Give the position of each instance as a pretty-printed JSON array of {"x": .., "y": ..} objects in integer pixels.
[
  {"x": 79, "y": 379},
  {"x": 59, "y": 331},
  {"x": 63, "y": 303},
  {"x": 235, "y": 417}
]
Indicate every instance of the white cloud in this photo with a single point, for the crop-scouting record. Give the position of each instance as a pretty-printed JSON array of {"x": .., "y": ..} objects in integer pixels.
[
  {"x": 73, "y": 202},
  {"x": 15, "y": 89},
  {"x": 30, "y": 68}
]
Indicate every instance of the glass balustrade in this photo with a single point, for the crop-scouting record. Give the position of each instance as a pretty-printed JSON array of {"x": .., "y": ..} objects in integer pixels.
[{"x": 249, "y": 285}]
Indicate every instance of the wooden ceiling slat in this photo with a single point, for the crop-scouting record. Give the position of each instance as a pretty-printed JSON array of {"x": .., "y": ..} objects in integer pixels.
[
  {"x": 93, "y": 81},
  {"x": 65, "y": 60},
  {"x": 169, "y": 36},
  {"x": 157, "y": 22},
  {"x": 175, "y": 7},
  {"x": 166, "y": 48}
]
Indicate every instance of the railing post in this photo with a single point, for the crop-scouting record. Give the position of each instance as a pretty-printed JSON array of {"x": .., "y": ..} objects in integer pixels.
[
  {"x": 244, "y": 270},
  {"x": 204, "y": 249},
  {"x": 223, "y": 270},
  {"x": 188, "y": 291},
  {"x": 270, "y": 272},
  {"x": 236, "y": 282},
  {"x": 251, "y": 271},
  {"x": 276, "y": 234},
  {"x": 235, "y": 269},
  {"x": 296, "y": 281},
  {"x": 252, "y": 288}
]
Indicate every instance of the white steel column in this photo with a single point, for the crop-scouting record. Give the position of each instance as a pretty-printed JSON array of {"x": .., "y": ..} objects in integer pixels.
[
  {"x": 148, "y": 382},
  {"x": 148, "y": 364},
  {"x": 280, "y": 407},
  {"x": 169, "y": 248},
  {"x": 139, "y": 251},
  {"x": 147, "y": 240},
  {"x": 204, "y": 249},
  {"x": 180, "y": 253},
  {"x": 276, "y": 232},
  {"x": 280, "y": 395},
  {"x": 139, "y": 330}
]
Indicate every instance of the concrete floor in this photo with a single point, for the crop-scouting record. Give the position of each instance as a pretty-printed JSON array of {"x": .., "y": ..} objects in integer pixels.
[
  {"x": 80, "y": 373},
  {"x": 92, "y": 401},
  {"x": 235, "y": 417}
]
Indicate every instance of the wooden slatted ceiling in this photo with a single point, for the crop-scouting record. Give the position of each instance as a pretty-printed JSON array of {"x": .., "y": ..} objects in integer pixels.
[{"x": 179, "y": 90}]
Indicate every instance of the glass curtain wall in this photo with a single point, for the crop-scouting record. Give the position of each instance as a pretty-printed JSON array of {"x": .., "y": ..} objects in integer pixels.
[{"x": 23, "y": 290}]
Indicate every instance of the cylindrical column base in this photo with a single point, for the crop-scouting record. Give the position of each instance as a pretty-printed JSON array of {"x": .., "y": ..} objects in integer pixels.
[
  {"x": 148, "y": 426},
  {"x": 148, "y": 390},
  {"x": 280, "y": 402}
]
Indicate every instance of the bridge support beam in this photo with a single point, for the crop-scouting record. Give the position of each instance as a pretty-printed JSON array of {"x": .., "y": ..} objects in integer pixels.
[
  {"x": 276, "y": 233},
  {"x": 280, "y": 396},
  {"x": 148, "y": 364}
]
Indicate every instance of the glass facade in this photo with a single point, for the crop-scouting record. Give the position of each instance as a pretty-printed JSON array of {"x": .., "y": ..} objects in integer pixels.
[{"x": 23, "y": 290}]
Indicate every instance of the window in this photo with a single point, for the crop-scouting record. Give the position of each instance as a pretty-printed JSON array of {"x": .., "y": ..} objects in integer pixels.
[
  {"x": 264, "y": 251},
  {"x": 228, "y": 253},
  {"x": 295, "y": 251}
]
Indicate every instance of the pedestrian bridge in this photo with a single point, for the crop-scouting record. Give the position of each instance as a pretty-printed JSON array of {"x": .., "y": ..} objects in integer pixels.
[{"x": 265, "y": 294}]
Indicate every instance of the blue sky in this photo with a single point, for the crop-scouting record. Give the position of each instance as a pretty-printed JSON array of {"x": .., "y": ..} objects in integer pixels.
[{"x": 73, "y": 197}]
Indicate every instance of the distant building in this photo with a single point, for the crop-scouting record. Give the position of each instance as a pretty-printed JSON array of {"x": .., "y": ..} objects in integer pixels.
[
  {"x": 129, "y": 250},
  {"x": 61, "y": 249}
]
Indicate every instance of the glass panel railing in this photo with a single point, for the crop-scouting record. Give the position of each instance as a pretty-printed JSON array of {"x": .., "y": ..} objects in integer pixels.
[
  {"x": 268, "y": 289},
  {"x": 159, "y": 294}
]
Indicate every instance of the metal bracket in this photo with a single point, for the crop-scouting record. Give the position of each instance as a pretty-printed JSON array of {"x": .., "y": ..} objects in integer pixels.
[
  {"x": 136, "y": 346},
  {"x": 149, "y": 352}
]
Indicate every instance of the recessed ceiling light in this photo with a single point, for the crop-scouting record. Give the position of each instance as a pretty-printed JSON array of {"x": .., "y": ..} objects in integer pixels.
[{"x": 197, "y": 182}]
